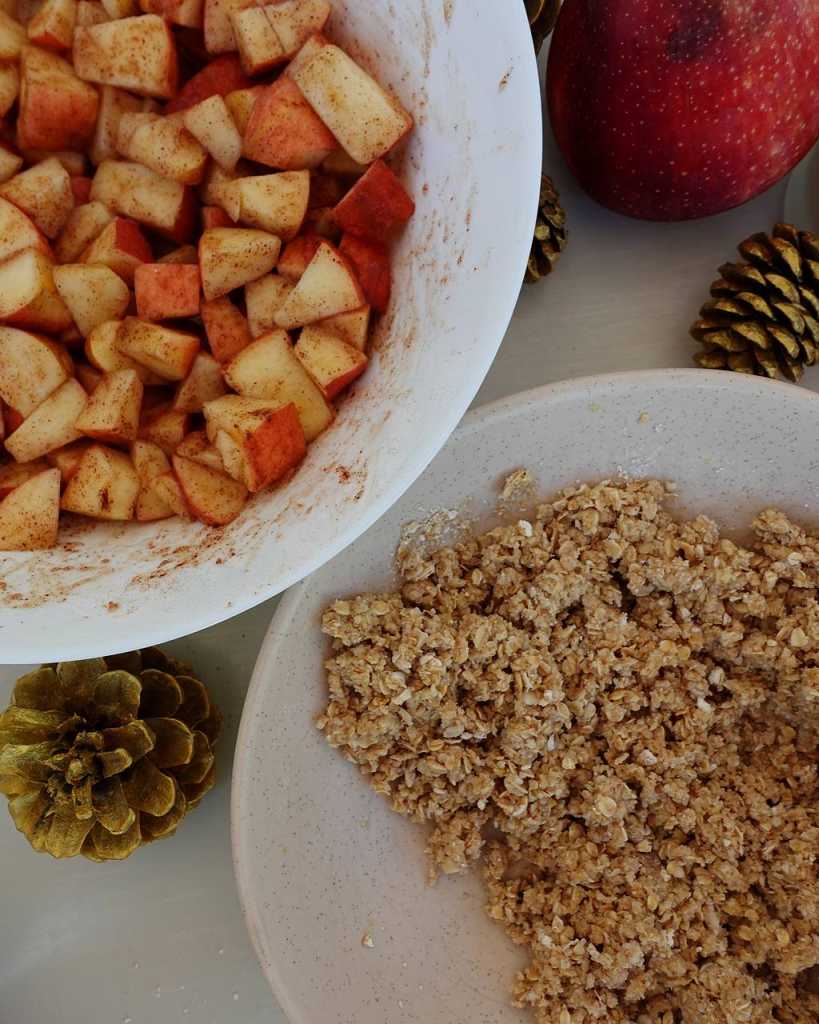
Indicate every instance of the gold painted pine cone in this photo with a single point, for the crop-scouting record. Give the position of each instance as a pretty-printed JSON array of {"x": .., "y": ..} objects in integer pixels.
[
  {"x": 99, "y": 757},
  {"x": 763, "y": 316},
  {"x": 550, "y": 233},
  {"x": 542, "y": 16}
]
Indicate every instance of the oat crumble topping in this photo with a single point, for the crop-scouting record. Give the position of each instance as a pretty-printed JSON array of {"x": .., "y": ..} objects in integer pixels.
[{"x": 617, "y": 714}]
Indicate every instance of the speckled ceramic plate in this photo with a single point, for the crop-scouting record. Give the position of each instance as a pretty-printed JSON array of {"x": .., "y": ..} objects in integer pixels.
[{"x": 320, "y": 860}]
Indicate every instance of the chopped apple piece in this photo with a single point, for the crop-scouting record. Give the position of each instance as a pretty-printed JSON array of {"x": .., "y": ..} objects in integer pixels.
[
  {"x": 331, "y": 362},
  {"x": 53, "y": 24},
  {"x": 371, "y": 263},
  {"x": 29, "y": 516},
  {"x": 43, "y": 192},
  {"x": 211, "y": 124},
  {"x": 203, "y": 384},
  {"x": 13, "y": 474},
  {"x": 230, "y": 257},
  {"x": 186, "y": 13},
  {"x": 9, "y": 87},
  {"x": 84, "y": 224},
  {"x": 240, "y": 103},
  {"x": 263, "y": 299},
  {"x": 269, "y": 369},
  {"x": 366, "y": 119},
  {"x": 328, "y": 286},
  {"x": 297, "y": 256},
  {"x": 104, "y": 486},
  {"x": 121, "y": 246},
  {"x": 167, "y": 352},
  {"x": 165, "y": 427},
  {"x": 274, "y": 202},
  {"x": 226, "y": 328},
  {"x": 67, "y": 458},
  {"x": 93, "y": 294},
  {"x": 10, "y": 162},
  {"x": 50, "y": 426},
  {"x": 90, "y": 12},
  {"x": 376, "y": 207},
  {"x": 150, "y": 463},
  {"x": 17, "y": 232},
  {"x": 113, "y": 104},
  {"x": 217, "y": 190},
  {"x": 259, "y": 46},
  {"x": 13, "y": 37},
  {"x": 88, "y": 376},
  {"x": 212, "y": 496},
  {"x": 137, "y": 54},
  {"x": 218, "y": 78},
  {"x": 164, "y": 145},
  {"x": 196, "y": 446},
  {"x": 102, "y": 351},
  {"x": 135, "y": 191},
  {"x": 259, "y": 441},
  {"x": 166, "y": 290},
  {"x": 112, "y": 412},
  {"x": 57, "y": 110},
  {"x": 31, "y": 367},
  {"x": 306, "y": 53},
  {"x": 218, "y": 27},
  {"x": 184, "y": 254},
  {"x": 116, "y": 9},
  {"x": 294, "y": 21},
  {"x": 80, "y": 188},
  {"x": 28, "y": 297},
  {"x": 215, "y": 217},
  {"x": 283, "y": 130},
  {"x": 354, "y": 327},
  {"x": 167, "y": 489}
]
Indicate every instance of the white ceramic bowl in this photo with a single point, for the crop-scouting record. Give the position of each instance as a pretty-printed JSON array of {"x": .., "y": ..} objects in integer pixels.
[
  {"x": 467, "y": 72},
  {"x": 320, "y": 859}
]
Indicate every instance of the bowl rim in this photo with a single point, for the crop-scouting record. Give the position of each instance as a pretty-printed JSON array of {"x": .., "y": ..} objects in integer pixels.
[{"x": 474, "y": 422}]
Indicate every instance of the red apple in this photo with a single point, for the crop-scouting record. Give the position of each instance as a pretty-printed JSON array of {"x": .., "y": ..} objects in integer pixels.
[{"x": 673, "y": 109}]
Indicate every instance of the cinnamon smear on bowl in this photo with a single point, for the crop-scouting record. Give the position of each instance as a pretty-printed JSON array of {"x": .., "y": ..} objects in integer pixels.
[{"x": 616, "y": 715}]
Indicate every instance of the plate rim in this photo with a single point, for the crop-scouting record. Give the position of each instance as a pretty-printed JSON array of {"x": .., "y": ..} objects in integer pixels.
[{"x": 476, "y": 420}]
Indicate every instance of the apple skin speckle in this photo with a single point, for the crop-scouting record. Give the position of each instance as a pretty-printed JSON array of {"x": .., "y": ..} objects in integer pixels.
[{"x": 676, "y": 109}]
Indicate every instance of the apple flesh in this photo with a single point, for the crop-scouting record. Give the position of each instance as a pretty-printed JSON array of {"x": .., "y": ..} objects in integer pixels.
[
  {"x": 670, "y": 111},
  {"x": 29, "y": 516},
  {"x": 50, "y": 426},
  {"x": 104, "y": 486},
  {"x": 226, "y": 327}
]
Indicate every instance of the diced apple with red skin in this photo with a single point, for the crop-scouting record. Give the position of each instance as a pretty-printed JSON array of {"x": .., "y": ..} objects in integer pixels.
[
  {"x": 116, "y": 9},
  {"x": 13, "y": 474},
  {"x": 92, "y": 293},
  {"x": 104, "y": 486},
  {"x": 121, "y": 246},
  {"x": 50, "y": 426},
  {"x": 230, "y": 257},
  {"x": 218, "y": 78},
  {"x": 263, "y": 299},
  {"x": 88, "y": 376},
  {"x": 13, "y": 37},
  {"x": 274, "y": 202},
  {"x": 43, "y": 193},
  {"x": 240, "y": 103},
  {"x": 328, "y": 286},
  {"x": 203, "y": 384},
  {"x": 9, "y": 87},
  {"x": 217, "y": 190},
  {"x": 215, "y": 217},
  {"x": 10, "y": 162},
  {"x": 366, "y": 120},
  {"x": 167, "y": 352},
  {"x": 29, "y": 516},
  {"x": 73, "y": 162},
  {"x": 150, "y": 463},
  {"x": 259, "y": 46},
  {"x": 67, "y": 458},
  {"x": 112, "y": 412},
  {"x": 137, "y": 54},
  {"x": 197, "y": 447},
  {"x": 184, "y": 254},
  {"x": 186, "y": 13},
  {"x": 102, "y": 351},
  {"x": 353, "y": 327},
  {"x": 211, "y": 124},
  {"x": 260, "y": 441},
  {"x": 28, "y": 297},
  {"x": 371, "y": 263},
  {"x": 165, "y": 427},
  {"x": 80, "y": 189},
  {"x": 283, "y": 131},
  {"x": 297, "y": 255},
  {"x": 17, "y": 232},
  {"x": 212, "y": 496},
  {"x": 376, "y": 207},
  {"x": 295, "y": 21},
  {"x": 53, "y": 24},
  {"x": 331, "y": 362},
  {"x": 166, "y": 290},
  {"x": 132, "y": 190},
  {"x": 84, "y": 224},
  {"x": 113, "y": 104},
  {"x": 218, "y": 26},
  {"x": 31, "y": 367},
  {"x": 269, "y": 369},
  {"x": 226, "y": 328},
  {"x": 56, "y": 110},
  {"x": 163, "y": 144}
]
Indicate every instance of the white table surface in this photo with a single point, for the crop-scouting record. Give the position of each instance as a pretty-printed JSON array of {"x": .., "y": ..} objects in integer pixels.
[{"x": 160, "y": 939}]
